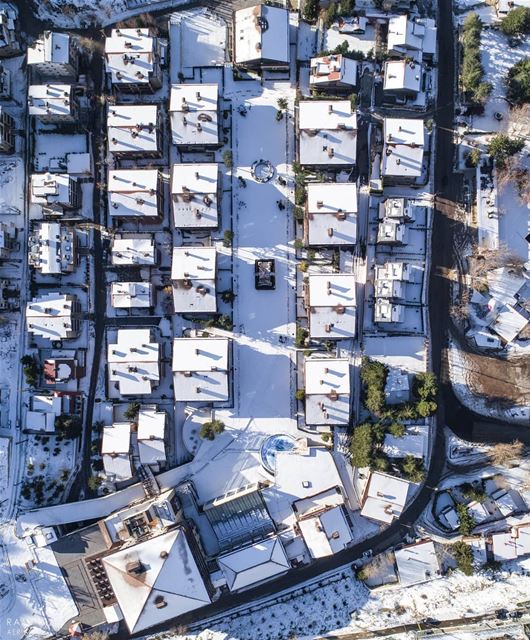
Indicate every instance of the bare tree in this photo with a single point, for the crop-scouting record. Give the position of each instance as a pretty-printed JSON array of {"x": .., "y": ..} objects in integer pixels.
[
  {"x": 518, "y": 124},
  {"x": 504, "y": 452}
]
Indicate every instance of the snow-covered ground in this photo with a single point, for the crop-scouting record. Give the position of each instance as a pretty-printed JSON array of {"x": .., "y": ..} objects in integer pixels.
[{"x": 343, "y": 604}]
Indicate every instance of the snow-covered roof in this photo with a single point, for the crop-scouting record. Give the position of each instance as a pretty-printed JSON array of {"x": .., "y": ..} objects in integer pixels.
[
  {"x": 133, "y": 128},
  {"x": 194, "y": 195},
  {"x": 394, "y": 271},
  {"x": 504, "y": 284},
  {"x": 507, "y": 322},
  {"x": 504, "y": 547},
  {"x": 397, "y": 209},
  {"x": 326, "y": 533},
  {"x": 152, "y": 586},
  {"x": 134, "y": 249},
  {"x": 44, "y": 410},
  {"x": 328, "y": 132},
  {"x": 151, "y": 432},
  {"x": 327, "y": 389},
  {"x": 200, "y": 369},
  {"x": 387, "y": 311},
  {"x": 397, "y": 386},
  {"x": 392, "y": 231},
  {"x": 51, "y": 248},
  {"x": 128, "y": 295},
  {"x": 134, "y": 362},
  {"x": 401, "y": 75},
  {"x": 51, "y": 316},
  {"x": 133, "y": 193},
  {"x": 385, "y": 497},
  {"x": 256, "y": 563},
  {"x": 404, "y": 141},
  {"x": 50, "y": 100},
  {"x": 194, "y": 114},
  {"x": 417, "y": 563},
  {"x": 131, "y": 56},
  {"x": 51, "y": 188},
  {"x": 261, "y": 32},
  {"x": 193, "y": 272},
  {"x": 505, "y": 501},
  {"x": 115, "y": 447},
  {"x": 302, "y": 475},
  {"x": 333, "y": 69},
  {"x": 408, "y": 36},
  {"x": 332, "y": 213},
  {"x": 413, "y": 443},
  {"x": 53, "y": 47},
  {"x": 332, "y": 312}
]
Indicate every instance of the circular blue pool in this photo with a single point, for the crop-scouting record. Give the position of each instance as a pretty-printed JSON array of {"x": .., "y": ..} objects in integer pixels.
[{"x": 270, "y": 448}]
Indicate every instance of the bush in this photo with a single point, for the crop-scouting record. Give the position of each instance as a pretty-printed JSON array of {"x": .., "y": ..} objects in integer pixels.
[
  {"x": 94, "y": 482},
  {"x": 303, "y": 266},
  {"x": 502, "y": 147},
  {"x": 380, "y": 463},
  {"x": 228, "y": 159},
  {"x": 397, "y": 429},
  {"x": 361, "y": 446},
  {"x": 132, "y": 411},
  {"x": 311, "y": 9},
  {"x": 518, "y": 82},
  {"x": 464, "y": 557},
  {"x": 301, "y": 336},
  {"x": 69, "y": 426},
  {"x": 282, "y": 103},
  {"x": 31, "y": 370},
  {"x": 346, "y": 7},
  {"x": 473, "y": 158},
  {"x": 373, "y": 378},
  {"x": 227, "y": 296},
  {"x": 467, "y": 522},
  {"x": 228, "y": 237},
  {"x": 412, "y": 468},
  {"x": 472, "y": 72},
  {"x": 472, "y": 493},
  {"x": 299, "y": 394},
  {"x": 211, "y": 429},
  {"x": 517, "y": 22},
  {"x": 329, "y": 15},
  {"x": 279, "y": 115},
  {"x": 426, "y": 408}
]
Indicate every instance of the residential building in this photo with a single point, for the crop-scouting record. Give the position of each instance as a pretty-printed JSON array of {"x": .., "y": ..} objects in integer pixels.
[
  {"x": 411, "y": 37},
  {"x": 193, "y": 274},
  {"x": 331, "y": 214},
  {"x": 5, "y": 82},
  {"x": 134, "y": 362},
  {"x": 115, "y": 448},
  {"x": 397, "y": 386},
  {"x": 134, "y": 249},
  {"x": 417, "y": 563},
  {"x": 52, "y": 248},
  {"x": 415, "y": 443},
  {"x": 131, "y": 295},
  {"x": 254, "y": 564},
  {"x": 54, "y": 55},
  {"x": 333, "y": 72},
  {"x": 194, "y": 115},
  {"x": 200, "y": 369},
  {"x": 392, "y": 232},
  {"x": 156, "y": 579},
  {"x": 195, "y": 195},
  {"x": 9, "y": 37},
  {"x": 7, "y": 132},
  {"x": 331, "y": 306},
  {"x": 57, "y": 193},
  {"x": 386, "y": 311},
  {"x": 401, "y": 209},
  {"x": 134, "y": 130},
  {"x": 135, "y": 194},
  {"x": 44, "y": 409},
  {"x": 326, "y": 531},
  {"x": 54, "y": 316},
  {"x": 402, "y": 78},
  {"x": 261, "y": 37},
  {"x": 391, "y": 278},
  {"x": 508, "y": 305},
  {"x": 327, "y": 391},
  {"x": 8, "y": 233},
  {"x": 403, "y": 151},
  {"x": 327, "y": 133},
  {"x": 53, "y": 103},
  {"x": 132, "y": 60},
  {"x": 62, "y": 369},
  {"x": 151, "y": 436},
  {"x": 384, "y": 498}
]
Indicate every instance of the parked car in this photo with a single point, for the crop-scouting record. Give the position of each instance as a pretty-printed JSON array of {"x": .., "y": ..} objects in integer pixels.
[{"x": 265, "y": 274}]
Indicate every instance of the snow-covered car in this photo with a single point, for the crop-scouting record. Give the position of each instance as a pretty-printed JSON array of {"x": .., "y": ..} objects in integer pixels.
[{"x": 265, "y": 274}]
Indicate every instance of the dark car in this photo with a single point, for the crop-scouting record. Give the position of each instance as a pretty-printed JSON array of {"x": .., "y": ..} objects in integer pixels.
[
  {"x": 501, "y": 614},
  {"x": 265, "y": 274},
  {"x": 431, "y": 622}
]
